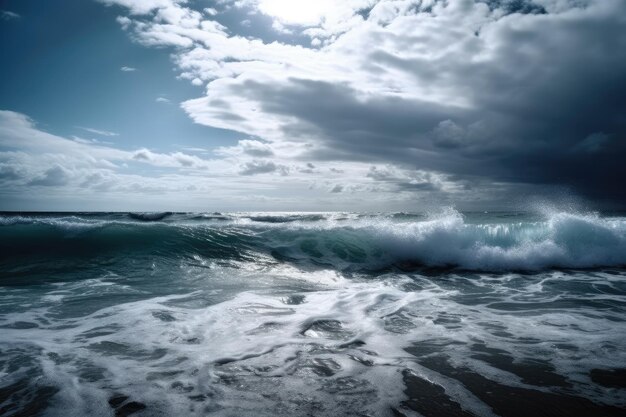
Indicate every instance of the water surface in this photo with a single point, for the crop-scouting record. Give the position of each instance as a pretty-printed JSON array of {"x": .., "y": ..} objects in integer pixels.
[{"x": 253, "y": 314}]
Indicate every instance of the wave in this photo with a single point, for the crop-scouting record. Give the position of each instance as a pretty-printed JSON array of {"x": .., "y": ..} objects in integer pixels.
[
  {"x": 149, "y": 217},
  {"x": 563, "y": 240},
  {"x": 342, "y": 241}
]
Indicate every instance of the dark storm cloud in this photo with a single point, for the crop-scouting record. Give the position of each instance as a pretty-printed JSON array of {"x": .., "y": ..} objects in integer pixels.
[
  {"x": 566, "y": 96},
  {"x": 548, "y": 105},
  {"x": 378, "y": 129}
]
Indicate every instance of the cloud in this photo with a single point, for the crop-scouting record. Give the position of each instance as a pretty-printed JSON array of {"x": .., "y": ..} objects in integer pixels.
[
  {"x": 127, "y": 69},
  {"x": 9, "y": 172},
  {"x": 193, "y": 149},
  {"x": 98, "y": 131},
  {"x": 489, "y": 90},
  {"x": 50, "y": 171},
  {"x": 249, "y": 147},
  {"x": 19, "y": 133},
  {"x": 8, "y": 15},
  {"x": 173, "y": 160},
  {"x": 448, "y": 134},
  {"x": 55, "y": 176},
  {"x": 38, "y": 166},
  {"x": 141, "y": 7},
  {"x": 256, "y": 167},
  {"x": 163, "y": 100},
  {"x": 439, "y": 96},
  {"x": 412, "y": 180},
  {"x": 593, "y": 143},
  {"x": 309, "y": 169},
  {"x": 311, "y": 14}
]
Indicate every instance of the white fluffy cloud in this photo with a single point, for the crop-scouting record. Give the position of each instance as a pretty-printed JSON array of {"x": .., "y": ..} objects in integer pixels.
[
  {"x": 322, "y": 17},
  {"x": 139, "y": 7},
  {"x": 47, "y": 159}
]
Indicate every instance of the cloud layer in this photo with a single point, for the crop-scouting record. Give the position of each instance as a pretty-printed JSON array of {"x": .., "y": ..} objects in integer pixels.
[
  {"x": 252, "y": 175},
  {"x": 528, "y": 92},
  {"x": 395, "y": 102}
]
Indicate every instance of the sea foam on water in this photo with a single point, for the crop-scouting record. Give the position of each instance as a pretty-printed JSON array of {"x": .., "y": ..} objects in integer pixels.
[{"x": 312, "y": 314}]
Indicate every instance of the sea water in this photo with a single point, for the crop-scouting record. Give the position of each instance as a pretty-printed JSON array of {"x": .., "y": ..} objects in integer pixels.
[{"x": 313, "y": 314}]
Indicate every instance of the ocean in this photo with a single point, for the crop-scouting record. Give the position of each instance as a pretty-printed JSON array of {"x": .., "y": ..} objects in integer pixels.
[{"x": 313, "y": 314}]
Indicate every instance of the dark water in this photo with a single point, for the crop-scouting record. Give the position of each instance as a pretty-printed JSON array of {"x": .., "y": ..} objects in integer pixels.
[{"x": 447, "y": 314}]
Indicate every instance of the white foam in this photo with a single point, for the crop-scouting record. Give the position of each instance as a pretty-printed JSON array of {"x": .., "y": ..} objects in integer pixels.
[
  {"x": 258, "y": 352},
  {"x": 562, "y": 240}
]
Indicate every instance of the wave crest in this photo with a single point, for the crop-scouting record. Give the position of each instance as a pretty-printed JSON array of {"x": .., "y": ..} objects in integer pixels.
[
  {"x": 563, "y": 240},
  {"x": 446, "y": 239}
]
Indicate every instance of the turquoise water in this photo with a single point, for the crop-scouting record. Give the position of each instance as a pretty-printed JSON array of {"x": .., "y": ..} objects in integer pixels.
[{"x": 289, "y": 314}]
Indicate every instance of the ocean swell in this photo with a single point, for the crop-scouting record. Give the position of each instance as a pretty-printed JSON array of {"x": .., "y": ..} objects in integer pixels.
[{"x": 347, "y": 241}]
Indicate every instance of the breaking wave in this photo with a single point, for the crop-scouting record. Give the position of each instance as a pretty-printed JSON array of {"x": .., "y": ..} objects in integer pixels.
[
  {"x": 326, "y": 314},
  {"x": 338, "y": 240}
]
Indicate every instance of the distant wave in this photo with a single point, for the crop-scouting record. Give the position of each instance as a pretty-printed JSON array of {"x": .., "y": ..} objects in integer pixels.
[
  {"x": 286, "y": 218},
  {"x": 341, "y": 241},
  {"x": 149, "y": 217}
]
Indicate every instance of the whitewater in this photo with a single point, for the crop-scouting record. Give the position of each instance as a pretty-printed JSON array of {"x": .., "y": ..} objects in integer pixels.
[{"x": 313, "y": 314}]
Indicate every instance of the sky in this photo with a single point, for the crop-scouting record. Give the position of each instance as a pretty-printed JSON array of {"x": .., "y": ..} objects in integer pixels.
[{"x": 360, "y": 105}]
